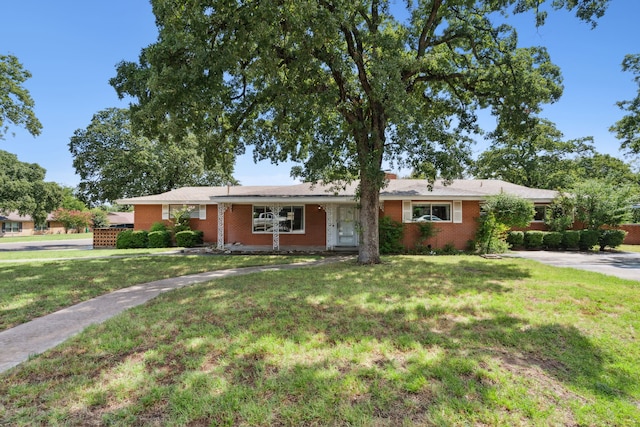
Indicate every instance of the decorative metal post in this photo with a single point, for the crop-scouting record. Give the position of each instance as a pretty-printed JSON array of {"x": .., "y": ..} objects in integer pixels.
[
  {"x": 275, "y": 210},
  {"x": 222, "y": 207}
]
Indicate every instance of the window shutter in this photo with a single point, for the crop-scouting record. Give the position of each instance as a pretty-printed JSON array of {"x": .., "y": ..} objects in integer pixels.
[
  {"x": 165, "y": 211},
  {"x": 406, "y": 211},
  {"x": 203, "y": 212},
  {"x": 457, "y": 211}
]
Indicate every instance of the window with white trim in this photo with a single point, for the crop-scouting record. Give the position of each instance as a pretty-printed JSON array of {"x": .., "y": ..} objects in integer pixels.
[
  {"x": 195, "y": 211},
  {"x": 430, "y": 212},
  {"x": 540, "y": 213},
  {"x": 12, "y": 227},
  {"x": 290, "y": 219}
]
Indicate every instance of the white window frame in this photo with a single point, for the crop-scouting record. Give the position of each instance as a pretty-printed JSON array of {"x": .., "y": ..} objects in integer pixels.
[
  {"x": 453, "y": 207},
  {"x": 197, "y": 211},
  {"x": 268, "y": 230},
  {"x": 544, "y": 207}
]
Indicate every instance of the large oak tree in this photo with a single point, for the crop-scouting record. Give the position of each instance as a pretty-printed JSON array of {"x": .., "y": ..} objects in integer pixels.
[
  {"x": 113, "y": 162},
  {"x": 627, "y": 128},
  {"x": 341, "y": 86},
  {"x": 16, "y": 104}
]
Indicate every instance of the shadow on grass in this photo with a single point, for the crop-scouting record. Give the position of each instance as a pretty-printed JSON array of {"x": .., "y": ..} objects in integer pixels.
[{"x": 407, "y": 341}]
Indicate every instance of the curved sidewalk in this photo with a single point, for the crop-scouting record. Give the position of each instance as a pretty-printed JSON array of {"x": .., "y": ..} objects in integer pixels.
[{"x": 19, "y": 343}]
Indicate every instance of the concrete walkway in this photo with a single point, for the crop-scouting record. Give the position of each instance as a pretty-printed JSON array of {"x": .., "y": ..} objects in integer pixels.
[
  {"x": 625, "y": 265},
  {"x": 19, "y": 343}
]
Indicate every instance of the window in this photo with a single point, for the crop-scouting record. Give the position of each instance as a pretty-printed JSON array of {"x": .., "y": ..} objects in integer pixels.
[
  {"x": 12, "y": 227},
  {"x": 290, "y": 219},
  {"x": 540, "y": 212},
  {"x": 193, "y": 210},
  {"x": 430, "y": 212},
  {"x": 43, "y": 227}
]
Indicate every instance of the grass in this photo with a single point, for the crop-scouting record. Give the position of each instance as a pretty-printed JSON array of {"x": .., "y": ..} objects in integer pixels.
[
  {"x": 44, "y": 237},
  {"x": 628, "y": 248},
  {"x": 415, "y": 341},
  {"x": 50, "y": 254},
  {"x": 33, "y": 289}
]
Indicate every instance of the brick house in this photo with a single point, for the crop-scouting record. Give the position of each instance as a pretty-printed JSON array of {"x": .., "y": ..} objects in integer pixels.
[{"x": 323, "y": 216}]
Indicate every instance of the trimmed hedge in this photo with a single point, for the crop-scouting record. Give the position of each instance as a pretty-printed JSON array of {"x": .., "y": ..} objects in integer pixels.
[
  {"x": 159, "y": 239},
  {"x": 158, "y": 226},
  {"x": 552, "y": 240},
  {"x": 533, "y": 239},
  {"x": 130, "y": 239},
  {"x": 611, "y": 238},
  {"x": 571, "y": 239},
  {"x": 515, "y": 238},
  {"x": 189, "y": 238},
  {"x": 588, "y": 239}
]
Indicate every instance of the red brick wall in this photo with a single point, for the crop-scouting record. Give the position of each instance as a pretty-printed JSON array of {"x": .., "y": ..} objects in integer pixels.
[
  {"x": 633, "y": 238},
  {"x": 238, "y": 228},
  {"x": 457, "y": 234}
]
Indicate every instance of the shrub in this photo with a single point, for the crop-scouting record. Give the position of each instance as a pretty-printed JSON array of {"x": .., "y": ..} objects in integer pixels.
[
  {"x": 130, "y": 239},
  {"x": 533, "y": 239},
  {"x": 588, "y": 239},
  {"x": 515, "y": 238},
  {"x": 158, "y": 226},
  {"x": 390, "y": 235},
  {"x": 159, "y": 239},
  {"x": 188, "y": 238},
  {"x": 611, "y": 238},
  {"x": 552, "y": 240},
  {"x": 570, "y": 239}
]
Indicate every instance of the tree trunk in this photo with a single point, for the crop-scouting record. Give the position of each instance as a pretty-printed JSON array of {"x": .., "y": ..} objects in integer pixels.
[{"x": 369, "y": 250}]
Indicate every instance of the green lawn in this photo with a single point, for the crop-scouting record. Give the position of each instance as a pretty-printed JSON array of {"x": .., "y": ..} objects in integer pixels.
[
  {"x": 41, "y": 237},
  {"x": 33, "y": 289},
  {"x": 415, "y": 341}
]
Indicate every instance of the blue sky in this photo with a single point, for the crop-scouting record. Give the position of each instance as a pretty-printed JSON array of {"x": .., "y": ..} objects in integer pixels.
[{"x": 71, "y": 47}]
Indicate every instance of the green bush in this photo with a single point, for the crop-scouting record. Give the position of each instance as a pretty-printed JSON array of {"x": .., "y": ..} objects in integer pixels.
[
  {"x": 588, "y": 239},
  {"x": 188, "y": 238},
  {"x": 552, "y": 240},
  {"x": 158, "y": 226},
  {"x": 533, "y": 239},
  {"x": 159, "y": 239},
  {"x": 390, "y": 235},
  {"x": 570, "y": 239},
  {"x": 130, "y": 239},
  {"x": 515, "y": 238},
  {"x": 611, "y": 238},
  {"x": 199, "y": 236}
]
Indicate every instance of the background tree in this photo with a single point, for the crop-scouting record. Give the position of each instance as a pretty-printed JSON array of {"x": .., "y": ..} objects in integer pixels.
[
  {"x": 627, "y": 129},
  {"x": 598, "y": 203},
  {"x": 340, "y": 86},
  {"x": 70, "y": 201},
  {"x": 72, "y": 219},
  {"x": 113, "y": 162},
  {"x": 534, "y": 156},
  {"x": 16, "y": 104},
  {"x": 499, "y": 214},
  {"x": 23, "y": 189}
]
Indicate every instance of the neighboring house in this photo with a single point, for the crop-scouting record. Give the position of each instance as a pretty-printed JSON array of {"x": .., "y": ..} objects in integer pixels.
[
  {"x": 306, "y": 215},
  {"x": 120, "y": 219},
  {"x": 13, "y": 224}
]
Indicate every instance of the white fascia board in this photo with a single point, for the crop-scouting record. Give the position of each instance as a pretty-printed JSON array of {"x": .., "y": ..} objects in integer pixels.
[{"x": 283, "y": 200}]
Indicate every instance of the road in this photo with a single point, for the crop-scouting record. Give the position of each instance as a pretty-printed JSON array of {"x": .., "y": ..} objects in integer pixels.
[{"x": 47, "y": 245}]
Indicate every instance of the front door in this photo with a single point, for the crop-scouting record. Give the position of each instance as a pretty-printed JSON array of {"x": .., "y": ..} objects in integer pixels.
[{"x": 347, "y": 235}]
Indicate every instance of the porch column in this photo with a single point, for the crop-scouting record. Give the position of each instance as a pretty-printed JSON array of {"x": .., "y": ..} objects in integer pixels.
[
  {"x": 275, "y": 210},
  {"x": 222, "y": 207}
]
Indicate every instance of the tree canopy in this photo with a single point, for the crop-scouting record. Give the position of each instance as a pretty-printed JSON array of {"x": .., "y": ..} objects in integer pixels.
[
  {"x": 113, "y": 162},
  {"x": 16, "y": 104},
  {"x": 627, "y": 129},
  {"x": 341, "y": 87},
  {"x": 23, "y": 189}
]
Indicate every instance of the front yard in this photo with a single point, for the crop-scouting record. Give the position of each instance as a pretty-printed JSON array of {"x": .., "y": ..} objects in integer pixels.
[{"x": 454, "y": 340}]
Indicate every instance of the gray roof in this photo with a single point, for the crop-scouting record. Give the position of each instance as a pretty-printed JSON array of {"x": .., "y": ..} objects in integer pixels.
[
  {"x": 15, "y": 216},
  {"x": 397, "y": 189}
]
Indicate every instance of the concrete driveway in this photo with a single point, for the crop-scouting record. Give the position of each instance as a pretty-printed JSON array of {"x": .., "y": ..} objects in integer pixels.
[{"x": 625, "y": 265}]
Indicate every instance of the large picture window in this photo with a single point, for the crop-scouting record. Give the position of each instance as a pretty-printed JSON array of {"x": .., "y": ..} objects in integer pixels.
[
  {"x": 11, "y": 227},
  {"x": 290, "y": 219},
  {"x": 430, "y": 212}
]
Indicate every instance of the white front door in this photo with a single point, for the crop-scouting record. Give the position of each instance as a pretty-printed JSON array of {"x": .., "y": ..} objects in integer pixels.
[{"x": 346, "y": 227}]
